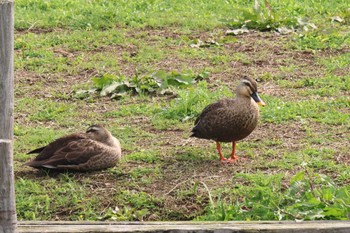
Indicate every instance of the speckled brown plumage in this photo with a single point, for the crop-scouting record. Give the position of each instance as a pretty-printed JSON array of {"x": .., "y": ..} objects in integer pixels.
[
  {"x": 93, "y": 150},
  {"x": 230, "y": 120}
]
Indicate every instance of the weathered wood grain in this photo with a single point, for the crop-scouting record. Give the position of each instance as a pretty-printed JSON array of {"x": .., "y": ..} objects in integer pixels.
[
  {"x": 7, "y": 192},
  {"x": 186, "y": 227},
  {"x": 6, "y": 68}
]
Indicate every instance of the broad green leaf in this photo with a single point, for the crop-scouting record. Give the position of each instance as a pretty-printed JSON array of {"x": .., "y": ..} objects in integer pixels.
[
  {"x": 314, "y": 214},
  {"x": 108, "y": 89},
  {"x": 312, "y": 201},
  {"x": 297, "y": 177},
  {"x": 344, "y": 195},
  {"x": 105, "y": 80},
  {"x": 333, "y": 211},
  {"x": 328, "y": 194}
]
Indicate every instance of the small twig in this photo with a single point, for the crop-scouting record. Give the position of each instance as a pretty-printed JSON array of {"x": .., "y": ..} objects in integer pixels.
[
  {"x": 310, "y": 183},
  {"x": 178, "y": 184},
  {"x": 290, "y": 214},
  {"x": 268, "y": 6},
  {"x": 310, "y": 179},
  {"x": 209, "y": 194},
  {"x": 31, "y": 26},
  {"x": 182, "y": 182}
]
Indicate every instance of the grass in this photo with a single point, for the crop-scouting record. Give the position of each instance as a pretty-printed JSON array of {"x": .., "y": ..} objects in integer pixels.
[
  {"x": 299, "y": 201},
  {"x": 297, "y": 160}
]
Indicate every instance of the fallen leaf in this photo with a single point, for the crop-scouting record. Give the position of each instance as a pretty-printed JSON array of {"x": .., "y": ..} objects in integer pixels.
[
  {"x": 204, "y": 44},
  {"x": 237, "y": 31},
  {"x": 337, "y": 19},
  {"x": 284, "y": 31}
]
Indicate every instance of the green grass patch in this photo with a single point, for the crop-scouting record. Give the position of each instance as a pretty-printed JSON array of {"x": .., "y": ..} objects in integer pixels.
[
  {"x": 325, "y": 39},
  {"x": 157, "y": 13},
  {"x": 46, "y": 110},
  {"x": 307, "y": 197},
  {"x": 37, "y": 200},
  {"x": 136, "y": 205},
  {"x": 325, "y": 112},
  {"x": 334, "y": 63},
  {"x": 144, "y": 156}
]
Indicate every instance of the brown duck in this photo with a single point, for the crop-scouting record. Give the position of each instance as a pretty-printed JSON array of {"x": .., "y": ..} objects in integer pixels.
[
  {"x": 230, "y": 120},
  {"x": 93, "y": 150}
]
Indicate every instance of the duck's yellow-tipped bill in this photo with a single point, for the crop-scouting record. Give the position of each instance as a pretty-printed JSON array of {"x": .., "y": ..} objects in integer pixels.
[
  {"x": 261, "y": 103},
  {"x": 257, "y": 99}
]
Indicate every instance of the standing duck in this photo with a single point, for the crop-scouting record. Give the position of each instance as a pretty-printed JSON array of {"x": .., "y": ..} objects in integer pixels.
[
  {"x": 93, "y": 150},
  {"x": 230, "y": 120}
]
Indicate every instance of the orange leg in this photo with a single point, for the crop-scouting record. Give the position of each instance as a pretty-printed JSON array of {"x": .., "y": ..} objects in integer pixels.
[
  {"x": 222, "y": 158},
  {"x": 233, "y": 158}
]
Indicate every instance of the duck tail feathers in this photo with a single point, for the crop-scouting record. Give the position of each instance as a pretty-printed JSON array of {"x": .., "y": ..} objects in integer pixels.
[{"x": 36, "y": 151}]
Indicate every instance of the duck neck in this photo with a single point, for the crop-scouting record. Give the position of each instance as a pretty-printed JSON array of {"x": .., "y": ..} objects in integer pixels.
[
  {"x": 112, "y": 142},
  {"x": 243, "y": 97}
]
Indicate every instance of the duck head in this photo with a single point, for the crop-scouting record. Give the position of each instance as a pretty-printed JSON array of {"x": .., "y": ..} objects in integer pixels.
[
  {"x": 249, "y": 88},
  {"x": 98, "y": 133},
  {"x": 101, "y": 134}
]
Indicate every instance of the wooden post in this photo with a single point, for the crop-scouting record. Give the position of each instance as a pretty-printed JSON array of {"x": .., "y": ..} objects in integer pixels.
[{"x": 8, "y": 218}]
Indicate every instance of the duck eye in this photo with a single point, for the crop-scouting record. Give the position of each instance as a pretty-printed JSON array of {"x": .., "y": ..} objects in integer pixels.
[{"x": 248, "y": 84}]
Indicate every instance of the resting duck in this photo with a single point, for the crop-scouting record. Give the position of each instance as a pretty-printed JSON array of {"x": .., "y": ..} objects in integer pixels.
[
  {"x": 93, "y": 150},
  {"x": 230, "y": 120}
]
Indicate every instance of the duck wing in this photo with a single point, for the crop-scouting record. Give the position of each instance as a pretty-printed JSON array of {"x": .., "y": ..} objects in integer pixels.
[
  {"x": 75, "y": 153},
  {"x": 80, "y": 155},
  {"x": 209, "y": 122},
  {"x": 212, "y": 108},
  {"x": 47, "y": 151}
]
